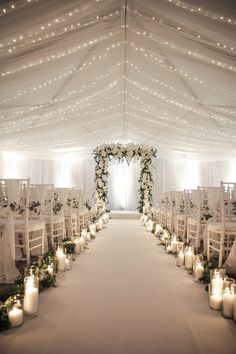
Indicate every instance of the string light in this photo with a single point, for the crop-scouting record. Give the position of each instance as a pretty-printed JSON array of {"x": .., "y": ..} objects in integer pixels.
[
  {"x": 177, "y": 104},
  {"x": 10, "y": 45},
  {"x": 184, "y": 31},
  {"x": 59, "y": 55},
  {"x": 16, "y": 5},
  {"x": 185, "y": 51},
  {"x": 199, "y": 11},
  {"x": 182, "y": 73},
  {"x": 181, "y": 93}
]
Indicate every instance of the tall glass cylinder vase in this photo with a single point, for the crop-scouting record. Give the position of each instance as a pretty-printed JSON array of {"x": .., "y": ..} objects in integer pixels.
[
  {"x": 31, "y": 291},
  {"x": 188, "y": 257},
  {"x": 234, "y": 301},
  {"x": 198, "y": 268}
]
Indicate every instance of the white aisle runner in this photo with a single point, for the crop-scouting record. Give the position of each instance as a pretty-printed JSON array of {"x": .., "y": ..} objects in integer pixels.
[{"x": 123, "y": 296}]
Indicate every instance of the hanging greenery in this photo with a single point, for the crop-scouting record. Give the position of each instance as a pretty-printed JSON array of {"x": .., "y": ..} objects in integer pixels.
[{"x": 105, "y": 153}]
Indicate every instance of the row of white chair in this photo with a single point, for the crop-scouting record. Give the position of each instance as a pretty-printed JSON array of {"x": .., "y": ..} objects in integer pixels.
[
  {"x": 206, "y": 215},
  {"x": 34, "y": 216}
]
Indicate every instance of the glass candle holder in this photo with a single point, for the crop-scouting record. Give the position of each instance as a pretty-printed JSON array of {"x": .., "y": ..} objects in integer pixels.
[
  {"x": 174, "y": 244},
  {"x": 228, "y": 302},
  {"x": 50, "y": 269},
  {"x": 61, "y": 259},
  {"x": 180, "y": 257},
  {"x": 16, "y": 315},
  {"x": 92, "y": 230},
  {"x": 233, "y": 287},
  {"x": 168, "y": 248},
  {"x": 77, "y": 244},
  {"x": 31, "y": 291},
  {"x": 188, "y": 258},
  {"x": 68, "y": 261},
  {"x": 88, "y": 237},
  {"x": 215, "y": 297},
  {"x": 198, "y": 268}
]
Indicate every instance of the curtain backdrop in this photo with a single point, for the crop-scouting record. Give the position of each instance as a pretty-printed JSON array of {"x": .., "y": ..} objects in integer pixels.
[
  {"x": 169, "y": 174},
  {"x": 123, "y": 185}
]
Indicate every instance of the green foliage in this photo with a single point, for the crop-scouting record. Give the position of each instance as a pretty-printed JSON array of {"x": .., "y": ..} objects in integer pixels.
[
  {"x": 208, "y": 266},
  {"x": 7, "y": 297},
  {"x": 68, "y": 245}
]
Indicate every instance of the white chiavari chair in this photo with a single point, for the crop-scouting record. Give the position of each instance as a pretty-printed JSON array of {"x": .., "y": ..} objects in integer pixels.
[{"x": 221, "y": 234}]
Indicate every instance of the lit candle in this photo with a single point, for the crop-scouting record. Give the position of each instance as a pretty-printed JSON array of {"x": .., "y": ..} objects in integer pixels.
[
  {"x": 217, "y": 283},
  {"x": 189, "y": 259},
  {"x": 100, "y": 224},
  {"x": 234, "y": 306},
  {"x": 30, "y": 304},
  {"x": 61, "y": 260},
  {"x": 77, "y": 245},
  {"x": 180, "y": 259},
  {"x": 198, "y": 271},
  {"x": 92, "y": 229},
  {"x": 88, "y": 237},
  {"x": 81, "y": 242},
  {"x": 228, "y": 303},
  {"x": 84, "y": 234},
  {"x": 50, "y": 270},
  {"x": 68, "y": 263},
  {"x": 15, "y": 317},
  {"x": 215, "y": 301},
  {"x": 174, "y": 244},
  {"x": 150, "y": 226},
  {"x": 158, "y": 228}
]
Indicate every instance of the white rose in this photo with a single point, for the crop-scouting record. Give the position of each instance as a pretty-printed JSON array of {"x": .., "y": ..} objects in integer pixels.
[{"x": 119, "y": 154}]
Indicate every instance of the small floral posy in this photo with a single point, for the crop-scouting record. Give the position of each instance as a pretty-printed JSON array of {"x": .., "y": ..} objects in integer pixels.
[{"x": 105, "y": 153}]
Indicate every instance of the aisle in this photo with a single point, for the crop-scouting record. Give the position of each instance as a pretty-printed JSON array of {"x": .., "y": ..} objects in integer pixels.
[{"x": 123, "y": 296}]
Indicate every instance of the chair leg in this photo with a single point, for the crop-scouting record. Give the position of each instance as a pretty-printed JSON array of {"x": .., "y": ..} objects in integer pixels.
[
  {"x": 221, "y": 249},
  {"x": 27, "y": 251},
  {"x": 208, "y": 245}
]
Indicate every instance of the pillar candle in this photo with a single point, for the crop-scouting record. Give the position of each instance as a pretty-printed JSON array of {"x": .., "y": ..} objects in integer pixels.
[
  {"x": 81, "y": 242},
  {"x": 61, "y": 261},
  {"x": 100, "y": 224},
  {"x": 198, "y": 271},
  {"x": 92, "y": 229},
  {"x": 30, "y": 304},
  {"x": 174, "y": 244},
  {"x": 77, "y": 245},
  {"x": 15, "y": 317},
  {"x": 215, "y": 301},
  {"x": 217, "y": 283},
  {"x": 68, "y": 264},
  {"x": 189, "y": 259},
  {"x": 168, "y": 249},
  {"x": 228, "y": 303},
  {"x": 234, "y": 302},
  {"x": 180, "y": 259},
  {"x": 50, "y": 270},
  {"x": 88, "y": 237}
]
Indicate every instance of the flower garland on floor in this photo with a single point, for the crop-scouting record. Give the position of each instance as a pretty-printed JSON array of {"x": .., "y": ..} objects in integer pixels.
[{"x": 105, "y": 153}]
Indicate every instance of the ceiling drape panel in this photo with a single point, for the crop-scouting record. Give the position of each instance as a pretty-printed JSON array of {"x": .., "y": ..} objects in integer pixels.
[{"x": 73, "y": 76}]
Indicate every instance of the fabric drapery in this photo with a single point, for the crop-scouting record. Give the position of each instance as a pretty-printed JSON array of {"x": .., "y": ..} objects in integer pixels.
[{"x": 123, "y": 185}]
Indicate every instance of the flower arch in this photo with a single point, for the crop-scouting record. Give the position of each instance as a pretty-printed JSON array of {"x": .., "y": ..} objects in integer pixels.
[{"x": 105, "y": 153}]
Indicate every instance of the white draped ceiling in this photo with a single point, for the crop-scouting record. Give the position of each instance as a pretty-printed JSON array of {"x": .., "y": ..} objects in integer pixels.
[{"x": 76, "y": 74}]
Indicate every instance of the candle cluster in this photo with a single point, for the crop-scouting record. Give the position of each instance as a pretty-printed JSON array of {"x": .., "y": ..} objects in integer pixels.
[
  {"x": 222, "y": 290},
  {"x": 44, "y": 270},
  {"x": 222, "y": 294}
]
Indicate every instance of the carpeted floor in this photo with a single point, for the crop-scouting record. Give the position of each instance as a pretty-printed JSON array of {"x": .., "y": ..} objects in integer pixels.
[{"x": 123, "y": 296}]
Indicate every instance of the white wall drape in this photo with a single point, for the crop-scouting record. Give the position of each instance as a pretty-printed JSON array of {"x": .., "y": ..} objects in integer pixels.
[
  {"x": 123, "y": 185},
  {"x": 169, "y": 174}
]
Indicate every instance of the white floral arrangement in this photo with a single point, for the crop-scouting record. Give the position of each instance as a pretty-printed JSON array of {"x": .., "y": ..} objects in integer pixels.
[{"x": 105, "y": 153}]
